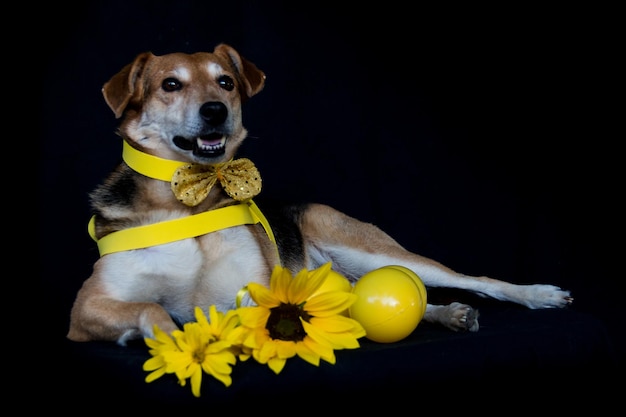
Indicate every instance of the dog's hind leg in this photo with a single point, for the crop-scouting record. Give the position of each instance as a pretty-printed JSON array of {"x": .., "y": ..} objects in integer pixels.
[{"x": 355, "y": 248}]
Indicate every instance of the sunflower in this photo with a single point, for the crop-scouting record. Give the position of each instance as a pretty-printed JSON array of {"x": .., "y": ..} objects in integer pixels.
[
  {"x": 200, "y": 346},
  {"x": 292, "y": 318}
]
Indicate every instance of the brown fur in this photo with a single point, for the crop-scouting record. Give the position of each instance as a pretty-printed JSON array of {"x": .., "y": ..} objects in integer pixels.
[{"x": 159, "y": 100}]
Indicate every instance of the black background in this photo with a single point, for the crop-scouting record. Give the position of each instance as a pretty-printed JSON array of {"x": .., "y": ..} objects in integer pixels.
[{"x": 479, "y": 136}]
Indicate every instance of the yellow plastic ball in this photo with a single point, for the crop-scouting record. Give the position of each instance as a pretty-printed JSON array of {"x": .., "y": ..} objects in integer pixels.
[
  {"x": 390, "y": 303},
  {"x": 334, "y": 282},
  {"x": 418, "y": 281}
]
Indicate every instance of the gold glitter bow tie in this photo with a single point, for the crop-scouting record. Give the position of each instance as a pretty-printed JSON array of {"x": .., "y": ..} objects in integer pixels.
[{"x": 240, "y": 179}]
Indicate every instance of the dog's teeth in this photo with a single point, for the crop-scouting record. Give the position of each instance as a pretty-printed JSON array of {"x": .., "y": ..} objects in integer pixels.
[{"x": 208, "y": 145}]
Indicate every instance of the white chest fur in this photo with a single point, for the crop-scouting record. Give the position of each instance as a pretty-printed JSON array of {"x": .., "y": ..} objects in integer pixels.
[{"x": 202, "y": 271}]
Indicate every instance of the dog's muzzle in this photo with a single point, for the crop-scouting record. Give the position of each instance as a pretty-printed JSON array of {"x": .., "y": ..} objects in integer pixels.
[{"x": 212, "y": 144}]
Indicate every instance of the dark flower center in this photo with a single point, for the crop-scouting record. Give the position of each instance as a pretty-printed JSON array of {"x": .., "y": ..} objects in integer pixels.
[
  {"x": 198, "y": 355},
  {"x": 284, "y": 322}
]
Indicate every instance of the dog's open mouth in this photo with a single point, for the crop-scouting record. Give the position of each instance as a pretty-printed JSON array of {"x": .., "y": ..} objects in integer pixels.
[{"x": 206, "y": 146}]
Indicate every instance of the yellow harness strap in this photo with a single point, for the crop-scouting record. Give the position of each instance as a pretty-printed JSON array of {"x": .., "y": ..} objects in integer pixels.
[{"x": 183, "y": 228}]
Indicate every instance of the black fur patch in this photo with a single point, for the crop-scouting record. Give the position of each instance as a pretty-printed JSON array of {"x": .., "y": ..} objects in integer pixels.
[
  {"x": 284, "y": 220},
  {"x": 119, "y": 189}
]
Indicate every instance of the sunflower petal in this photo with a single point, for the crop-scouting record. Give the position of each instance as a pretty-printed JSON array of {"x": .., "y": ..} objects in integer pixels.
[
  {"x": 306, "y": 283},
  {"x": 337, "y": 324},
  {"x": 228, "y": 323},
  {"x": 276, "y": 364},
  {"x": 329, "y": 303},
  {"x": 267, "y": 351},
  {"x": 335, "y": 340},
  {"x": 201, "y": 318},
  {"x": 255, "y": 338},
  {"x": 325, "y": 352},
  {"x": 221, "y": 364},
  {"x": 279, "y": 283},
  {"x": 162, "y": 341},
  {"x": 263, "y": 296},
  {"x": 177, "y": 361},
  {"x": 196, "y": 381},
  {"x": 285, "y": 349},
  {"x": 153, "y": 363},
  {"x": 155, "y": 375},
  {"x": 323, "y": 270},
  {"x": 299, "y": 288},
  {"x": 307, "y": 354},
  {"x": 253, "y": 317},
  {"x": 218, "y": 346},
  {"x": 192, "y": 369},
  {"x": 225, "y": 379}
]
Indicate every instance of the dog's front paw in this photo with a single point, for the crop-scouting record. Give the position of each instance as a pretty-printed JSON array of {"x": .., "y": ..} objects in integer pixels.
[{"x": 455, "y": 316}]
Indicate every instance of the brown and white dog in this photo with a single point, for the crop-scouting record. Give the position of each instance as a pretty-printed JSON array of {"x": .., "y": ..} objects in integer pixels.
[{"x": 186, "y": 108}]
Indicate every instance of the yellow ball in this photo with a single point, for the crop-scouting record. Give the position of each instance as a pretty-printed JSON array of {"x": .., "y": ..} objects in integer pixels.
[
  {"x": 418, "y": 281},
  {"x": 390, "y": 304},
  {"x": 334, "y": 282}
]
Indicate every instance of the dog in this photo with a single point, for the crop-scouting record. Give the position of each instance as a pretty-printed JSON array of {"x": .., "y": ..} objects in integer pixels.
[{"x": 183, "y": 109}]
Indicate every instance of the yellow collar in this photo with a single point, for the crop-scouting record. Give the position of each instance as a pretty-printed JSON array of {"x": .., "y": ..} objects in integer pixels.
[
  {"x": 168, "y": 231},
  {"x": 150, "y": 165}
]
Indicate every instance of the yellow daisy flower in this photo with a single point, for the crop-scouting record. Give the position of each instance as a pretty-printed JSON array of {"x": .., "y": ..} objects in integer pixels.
[
  {"x": 198, "y": 347},
  {"x": 291, "y": 319}
]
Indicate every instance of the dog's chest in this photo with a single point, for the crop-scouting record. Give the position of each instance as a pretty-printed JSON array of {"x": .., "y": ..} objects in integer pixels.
[{"x": 202, "y": 271}]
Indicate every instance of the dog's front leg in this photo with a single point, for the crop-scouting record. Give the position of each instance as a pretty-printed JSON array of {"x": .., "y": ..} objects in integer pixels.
[{"x": 97, "y": 316}]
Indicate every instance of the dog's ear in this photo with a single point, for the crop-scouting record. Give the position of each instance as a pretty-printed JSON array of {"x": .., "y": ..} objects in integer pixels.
[
  {"x": 119, "y": 90},
  {"x": 252, "y": 78}
]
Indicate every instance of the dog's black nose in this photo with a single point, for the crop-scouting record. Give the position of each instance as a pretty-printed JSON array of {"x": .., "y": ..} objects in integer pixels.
[{"x": 214, "y": 112}]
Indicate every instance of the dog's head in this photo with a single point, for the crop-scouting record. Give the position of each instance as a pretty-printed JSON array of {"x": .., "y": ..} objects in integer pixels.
[{"x": 184, "y": 107}]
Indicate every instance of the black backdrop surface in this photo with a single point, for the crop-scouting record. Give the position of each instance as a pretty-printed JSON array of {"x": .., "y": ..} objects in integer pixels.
[{"x": 473, "y": 136}]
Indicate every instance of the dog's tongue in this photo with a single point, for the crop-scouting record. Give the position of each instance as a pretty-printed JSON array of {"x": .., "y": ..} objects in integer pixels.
[{"x": 209, "y": 142}]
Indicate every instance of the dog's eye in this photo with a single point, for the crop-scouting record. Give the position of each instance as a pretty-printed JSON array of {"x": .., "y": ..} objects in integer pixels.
[
  {"x": 226, "y": 83},
  {"x": 171, "y": 84}
]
